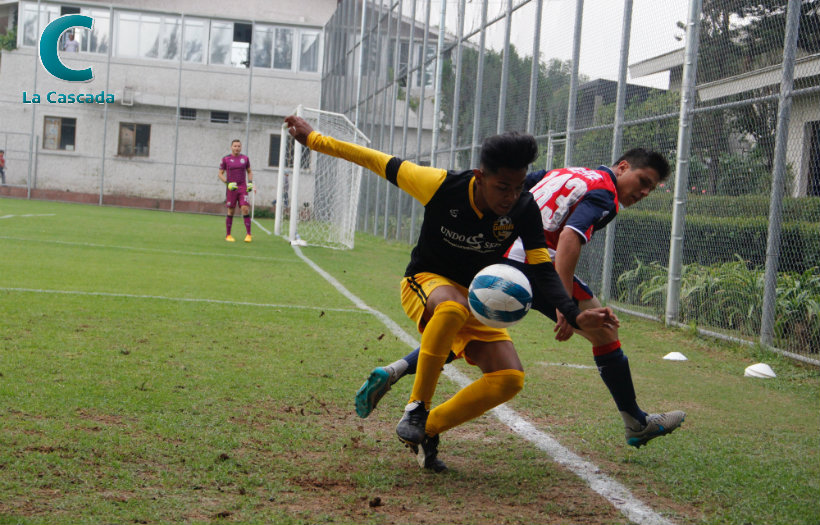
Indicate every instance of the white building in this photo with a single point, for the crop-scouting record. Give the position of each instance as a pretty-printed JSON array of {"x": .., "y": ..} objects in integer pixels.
[{"x": 155, "y": 57}]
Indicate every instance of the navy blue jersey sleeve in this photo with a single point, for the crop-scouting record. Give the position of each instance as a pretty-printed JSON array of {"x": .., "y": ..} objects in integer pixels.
[
  {"x": 533, "y": 178},
  {"x": 593, "y": 212}
]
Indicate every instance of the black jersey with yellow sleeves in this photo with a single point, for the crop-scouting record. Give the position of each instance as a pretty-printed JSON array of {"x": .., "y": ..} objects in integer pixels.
[{"x": 457, "y": 239}]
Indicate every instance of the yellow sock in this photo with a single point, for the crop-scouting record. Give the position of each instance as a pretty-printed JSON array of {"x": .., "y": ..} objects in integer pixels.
[
  {"x": 487, "y": 392},
  {"x": 436, "y": 341}
]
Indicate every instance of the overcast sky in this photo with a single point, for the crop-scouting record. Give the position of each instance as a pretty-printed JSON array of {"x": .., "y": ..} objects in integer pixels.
[{"x": 653, "y": 30}]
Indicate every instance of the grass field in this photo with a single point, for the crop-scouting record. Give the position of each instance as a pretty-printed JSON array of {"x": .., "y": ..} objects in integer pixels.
[{"x": 152, "y": 373}]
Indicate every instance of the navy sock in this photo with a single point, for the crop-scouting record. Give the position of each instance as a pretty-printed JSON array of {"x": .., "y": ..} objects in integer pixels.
[
  {"x": 614, "y": 370},
  {"x": 413, "y": 359}
]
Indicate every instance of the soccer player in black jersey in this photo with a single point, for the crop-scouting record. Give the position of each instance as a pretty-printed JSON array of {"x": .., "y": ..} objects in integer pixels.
[
  {"x": 470, "y": 220},
  {"x": 575, "y": 202}
]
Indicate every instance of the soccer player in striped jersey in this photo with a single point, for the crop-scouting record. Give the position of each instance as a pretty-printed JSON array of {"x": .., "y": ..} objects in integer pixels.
[
  {"x": 574, "y": 203},
  {"x": 471, "y": 219},
  {"x": 232, "y": 172}
]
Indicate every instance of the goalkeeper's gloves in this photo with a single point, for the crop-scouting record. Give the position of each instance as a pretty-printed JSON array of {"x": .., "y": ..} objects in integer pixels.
[
  {"x": 250, "y": 186},
  {"x": 231, "y": 186}
]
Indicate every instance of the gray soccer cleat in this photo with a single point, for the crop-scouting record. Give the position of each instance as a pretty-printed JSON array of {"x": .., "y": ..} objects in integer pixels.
[
  {"x": 656, "y": 425},
  {"x": 428, "y": 455},
  {"x": 411, "y": 427}
]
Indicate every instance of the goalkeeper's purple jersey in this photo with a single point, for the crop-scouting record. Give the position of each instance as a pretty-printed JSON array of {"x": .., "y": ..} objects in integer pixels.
[{"x": 235, "y": 167}]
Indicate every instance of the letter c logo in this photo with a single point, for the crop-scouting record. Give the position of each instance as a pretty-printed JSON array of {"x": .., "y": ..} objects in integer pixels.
[{"x": 48, "y": 48}]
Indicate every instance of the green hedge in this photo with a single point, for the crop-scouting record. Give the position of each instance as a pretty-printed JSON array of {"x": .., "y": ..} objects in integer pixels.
[
  {"x": 710, "y": 240},
  {"x": 805, "y": 209}
]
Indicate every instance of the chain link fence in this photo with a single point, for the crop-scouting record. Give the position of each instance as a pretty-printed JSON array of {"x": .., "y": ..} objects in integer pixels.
[{"x": 728, "y": 92}]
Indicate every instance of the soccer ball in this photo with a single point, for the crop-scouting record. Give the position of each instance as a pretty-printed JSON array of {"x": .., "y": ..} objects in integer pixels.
[{"x": 500, "y": 295}]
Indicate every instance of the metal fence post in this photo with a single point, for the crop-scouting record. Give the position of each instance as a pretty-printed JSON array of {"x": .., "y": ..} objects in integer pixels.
[
  {"x": 438, "y": 88},
  {"x": 690, "y": 66},
  {"x": 778, "y": 174},
  {"x": 535, "y": 69},
  {"x": 617, "y": 144},
  {"x": 573, "y": 81},
  {"x": 479, "y": 83},
  {"x": 505, "y": 72},
  {"x": 457, "y": 87}
]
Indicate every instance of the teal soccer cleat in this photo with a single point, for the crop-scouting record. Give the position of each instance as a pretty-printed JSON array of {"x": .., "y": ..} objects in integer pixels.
[{"x": 371, "y": 392}]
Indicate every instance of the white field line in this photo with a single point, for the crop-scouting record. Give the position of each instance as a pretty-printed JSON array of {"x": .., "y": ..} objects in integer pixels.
[
  {"x": 141, "y": 249},
  {"x": 261, "y": 227},
  {"x": 567, "y": 365},
  {"x": 29, "y": 215},
  {"x": 617, "y": 494},
  {"x": 180, "y": 299}
]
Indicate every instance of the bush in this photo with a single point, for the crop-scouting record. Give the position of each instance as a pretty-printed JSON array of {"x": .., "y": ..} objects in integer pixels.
[{"x": 730, "y": 296}]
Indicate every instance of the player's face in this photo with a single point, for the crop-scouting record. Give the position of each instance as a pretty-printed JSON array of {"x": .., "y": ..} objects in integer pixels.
[
  {"x": 635, "y": 183},
  {"x": 499, "y": 191},
  {"x": 236, "y": 148}
]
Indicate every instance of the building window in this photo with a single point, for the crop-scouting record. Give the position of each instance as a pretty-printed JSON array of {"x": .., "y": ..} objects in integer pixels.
[
  {"x": 135, "y": 140},
  {"x": 187, "y": 114},
  {"x": 286, "y": 48},
  {"x": 59, "y": 133},
  {"x": 273, "y": 153},
  {"x": 220, "y": 117},
  {"x": 148, "y": 36},
  {"x": 196, "y": 39},
  {"x": 230, "y": 43}
]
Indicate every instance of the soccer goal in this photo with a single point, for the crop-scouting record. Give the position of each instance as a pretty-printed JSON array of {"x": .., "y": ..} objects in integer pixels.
[{"x": 319, "y": 193}]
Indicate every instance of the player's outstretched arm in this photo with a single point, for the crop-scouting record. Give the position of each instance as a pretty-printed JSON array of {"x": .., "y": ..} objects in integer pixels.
[{"x": 420, "y": 182}]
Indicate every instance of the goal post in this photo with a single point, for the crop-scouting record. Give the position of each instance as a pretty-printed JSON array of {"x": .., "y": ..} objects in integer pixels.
[{"x": 317, "y": 196}]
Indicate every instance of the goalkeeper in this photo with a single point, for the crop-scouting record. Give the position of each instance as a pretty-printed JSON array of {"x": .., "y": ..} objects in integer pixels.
[
  {"x": 232, "y": 172},
  {"x": 471, "y": 218}
]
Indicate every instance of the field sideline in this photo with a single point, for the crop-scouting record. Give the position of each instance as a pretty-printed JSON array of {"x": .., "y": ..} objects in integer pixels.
[{"x": 151, "y": 373}]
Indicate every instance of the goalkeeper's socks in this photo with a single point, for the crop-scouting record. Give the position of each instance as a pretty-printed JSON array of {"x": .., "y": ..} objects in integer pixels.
[
  {"x": 613, "y": 366},
  {"x": 247, "y": 223},
  {"x": 228, "y": 223},
  {"x": 412, "y": 360}
]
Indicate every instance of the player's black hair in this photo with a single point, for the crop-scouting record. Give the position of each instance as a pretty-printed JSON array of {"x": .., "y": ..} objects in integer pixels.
[
  {"x": 236, "y": 140},
  {"x": 643, "y": 158},
  {"x": 508, "y": 150}
]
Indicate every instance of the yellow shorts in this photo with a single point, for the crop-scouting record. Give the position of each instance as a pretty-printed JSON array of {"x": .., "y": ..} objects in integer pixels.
[{"x": 414, "y": 293}]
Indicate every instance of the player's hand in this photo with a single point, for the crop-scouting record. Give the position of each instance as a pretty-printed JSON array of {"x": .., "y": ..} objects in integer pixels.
[
  {"x": 597, "y": 318},
  {"x": 231, "y": 186},
  {"x": 298, "y": 128},
  {"x": 563, "y": 330},
  {"x": 250, "y": 187}
]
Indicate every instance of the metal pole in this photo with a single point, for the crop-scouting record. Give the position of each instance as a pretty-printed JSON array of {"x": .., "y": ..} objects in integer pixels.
[
  {"x": 280, "y": 181},
  {"x": 410, "y": 56},
  {"x": 505, "y": 72},
  {"x": 536, "y": 69},
  {"x": 438, "y": 88},
  {"x": 250, "y": 95},
  {"x": 105, "y": 109},
  {"x": 377, "y": 183},
  {"x": 294, "y": 185},
  {"x": 617, "y": 146},
  {"x": 479, "y": 83},
  {"x": 396, "y": 61},
  {"x": 176, "y": 125},
  {"x": 384, "y": 121},
  {"x": 457, "y": 87},
  {"x": 420, "y": 126},
  {"x": 573, "y": 81},
  {"x": 778, "y": 174},
  {"x": 361, "y": 65},
  {"x": 31, "y": 142},
  {"x": 690, "y": 65}
]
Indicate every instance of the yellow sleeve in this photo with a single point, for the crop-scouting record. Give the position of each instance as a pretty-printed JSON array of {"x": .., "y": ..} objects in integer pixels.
[
  {"x": 420, "y": 182},
  {"x": 538, "y": 256}
]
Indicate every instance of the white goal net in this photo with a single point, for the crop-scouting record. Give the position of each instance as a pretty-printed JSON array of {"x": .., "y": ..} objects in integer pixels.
[{"x": 319, "y": 193}]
